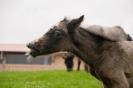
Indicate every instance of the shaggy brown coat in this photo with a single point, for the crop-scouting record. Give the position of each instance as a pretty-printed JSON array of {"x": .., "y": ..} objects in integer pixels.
[{"x": 110, "y": 59}]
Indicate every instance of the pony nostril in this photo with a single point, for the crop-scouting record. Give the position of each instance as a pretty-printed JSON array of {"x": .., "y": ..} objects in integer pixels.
[{"x": 29, "y": 45}]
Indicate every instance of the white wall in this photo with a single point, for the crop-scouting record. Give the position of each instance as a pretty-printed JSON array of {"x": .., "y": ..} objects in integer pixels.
[{"x": 24, "y": 20}]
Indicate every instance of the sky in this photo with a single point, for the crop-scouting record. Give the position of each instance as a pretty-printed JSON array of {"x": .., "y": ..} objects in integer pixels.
[{"x": 22, "y": 21}]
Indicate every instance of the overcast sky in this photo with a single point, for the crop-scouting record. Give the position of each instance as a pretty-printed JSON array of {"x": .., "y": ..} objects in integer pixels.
[{"x": 24, "y": 20}]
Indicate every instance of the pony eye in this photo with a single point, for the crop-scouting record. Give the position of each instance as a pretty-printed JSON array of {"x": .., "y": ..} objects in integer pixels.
[{"x": 57, "y": 34}]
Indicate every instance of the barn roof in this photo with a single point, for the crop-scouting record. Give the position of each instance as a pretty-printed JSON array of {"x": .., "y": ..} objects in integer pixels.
[{"x": 13, "y": 48}]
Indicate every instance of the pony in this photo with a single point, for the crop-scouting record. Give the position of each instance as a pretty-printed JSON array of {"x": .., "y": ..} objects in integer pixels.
[{"x": 107, "y": 50}]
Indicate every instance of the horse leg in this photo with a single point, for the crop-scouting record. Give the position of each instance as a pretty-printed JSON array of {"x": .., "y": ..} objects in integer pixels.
[{"x": 79, "y": 62}]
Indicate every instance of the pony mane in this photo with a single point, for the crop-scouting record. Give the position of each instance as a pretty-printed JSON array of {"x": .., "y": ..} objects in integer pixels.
[{"x": 111, "y": 33}]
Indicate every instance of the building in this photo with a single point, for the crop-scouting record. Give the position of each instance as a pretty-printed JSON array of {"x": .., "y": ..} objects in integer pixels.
[
  {"x": 13, "y": 57},
  {"x": 15, "y": 54}
]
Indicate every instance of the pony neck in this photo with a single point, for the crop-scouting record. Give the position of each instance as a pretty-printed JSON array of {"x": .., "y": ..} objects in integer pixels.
[{"x": 86, "y": 45}]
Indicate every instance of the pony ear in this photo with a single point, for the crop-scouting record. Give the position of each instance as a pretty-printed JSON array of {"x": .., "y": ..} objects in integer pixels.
[
  {"x": 65, "y": 19},
  {"x": 74, "y": 23},
  {"x": 78, "y": 20}
]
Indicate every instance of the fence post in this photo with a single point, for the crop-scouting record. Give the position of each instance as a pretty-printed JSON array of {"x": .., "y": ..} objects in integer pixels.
[{"x": 2, "y": 60}]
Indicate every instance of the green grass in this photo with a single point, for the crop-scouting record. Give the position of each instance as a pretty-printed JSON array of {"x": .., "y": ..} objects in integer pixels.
[{"x": 48, "y": 79}]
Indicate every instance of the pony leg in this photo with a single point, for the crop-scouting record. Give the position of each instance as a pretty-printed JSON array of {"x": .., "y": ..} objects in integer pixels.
[
  {"x": 116, "y": 80},
  {"x": 130, "y": 80}
]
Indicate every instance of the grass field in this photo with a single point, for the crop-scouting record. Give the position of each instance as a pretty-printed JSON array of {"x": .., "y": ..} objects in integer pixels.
[{"x": 48, "y": 79}]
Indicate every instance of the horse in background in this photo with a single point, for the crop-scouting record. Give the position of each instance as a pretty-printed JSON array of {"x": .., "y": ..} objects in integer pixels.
[{"x": 69, "y": 62}]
